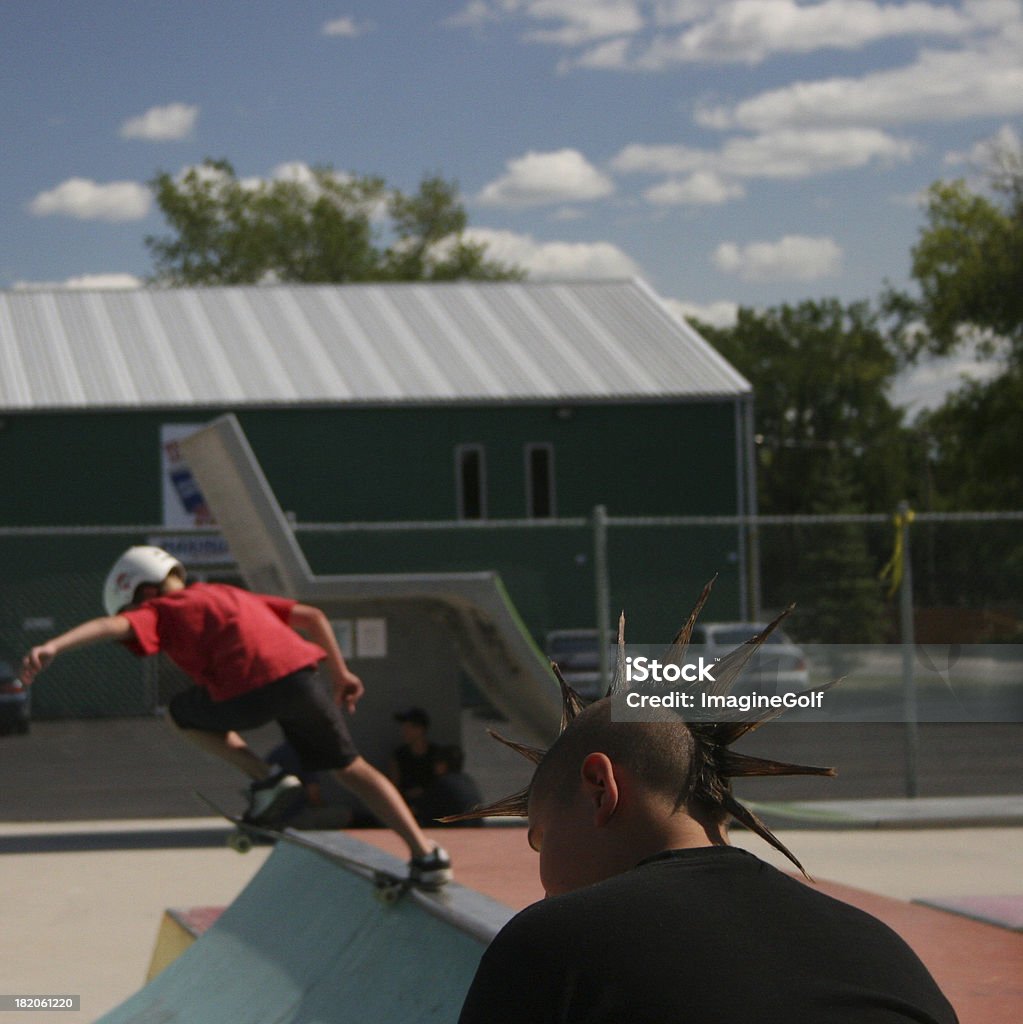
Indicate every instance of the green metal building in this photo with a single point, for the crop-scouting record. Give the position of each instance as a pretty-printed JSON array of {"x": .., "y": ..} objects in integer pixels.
[{"x": 486, "y": 413}]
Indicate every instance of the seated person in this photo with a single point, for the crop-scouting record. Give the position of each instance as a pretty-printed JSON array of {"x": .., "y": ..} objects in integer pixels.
[
  {"x": 411, "y": 767},
  {"x": 451, "y": 791}
]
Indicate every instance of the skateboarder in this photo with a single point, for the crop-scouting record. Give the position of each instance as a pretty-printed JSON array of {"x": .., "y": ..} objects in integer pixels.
[{"x": 250, "y": 666}]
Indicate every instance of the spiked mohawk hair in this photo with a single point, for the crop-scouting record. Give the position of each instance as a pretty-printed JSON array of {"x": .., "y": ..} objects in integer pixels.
[{"x": 713, "y": 765}]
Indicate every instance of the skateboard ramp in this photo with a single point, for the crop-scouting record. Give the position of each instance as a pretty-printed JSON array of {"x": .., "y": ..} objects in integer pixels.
[
  {"x": 308, "y": 941},
  {"x": 492, "y": 643}
]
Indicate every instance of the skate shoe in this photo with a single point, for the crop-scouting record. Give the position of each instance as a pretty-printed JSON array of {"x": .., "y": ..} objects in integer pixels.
[
  {"x": 272, "y": 799},
  {"x": 431, "y": 871}
]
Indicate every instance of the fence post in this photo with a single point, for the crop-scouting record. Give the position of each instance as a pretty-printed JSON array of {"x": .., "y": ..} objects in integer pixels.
[
  {"x": 602, "y": 590},
  {"x": 906, "y": 633}
]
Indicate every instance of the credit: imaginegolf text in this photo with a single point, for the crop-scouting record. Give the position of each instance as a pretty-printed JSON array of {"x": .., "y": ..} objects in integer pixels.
[
  {"x": 680, "y": 701},
  {"x": 650, "y": 670}
]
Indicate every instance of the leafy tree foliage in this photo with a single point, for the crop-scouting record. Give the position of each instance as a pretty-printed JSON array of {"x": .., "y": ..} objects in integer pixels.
[
  {"x": 833, "y": 572},
  {"x": 324, "y": 228},
  {"x": 968, "y": 264},
  {"x": 975, "y": 445},
  {"x": 820, "y": 373},
  {"x": 829, "y": 440}
]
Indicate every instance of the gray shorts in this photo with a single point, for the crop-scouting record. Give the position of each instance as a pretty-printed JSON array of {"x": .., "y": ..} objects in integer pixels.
[{"x": 311, "y": 722}]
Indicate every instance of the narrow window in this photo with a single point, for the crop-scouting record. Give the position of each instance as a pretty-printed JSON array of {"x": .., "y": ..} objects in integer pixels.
[
  {"x": 471, "y": 481},
  {"x": 540, "y": 481}
]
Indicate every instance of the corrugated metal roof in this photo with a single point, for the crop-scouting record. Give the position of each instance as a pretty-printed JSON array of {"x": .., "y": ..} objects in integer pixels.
[{"x": 327, "y": 344}]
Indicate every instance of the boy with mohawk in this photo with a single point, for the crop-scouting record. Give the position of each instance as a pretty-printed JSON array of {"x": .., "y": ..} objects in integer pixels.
[{"x": 652, "y": 917}]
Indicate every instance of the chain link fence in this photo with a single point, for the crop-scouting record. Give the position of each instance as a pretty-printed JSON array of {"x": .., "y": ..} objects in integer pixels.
[{"x": 967, "y": 582}]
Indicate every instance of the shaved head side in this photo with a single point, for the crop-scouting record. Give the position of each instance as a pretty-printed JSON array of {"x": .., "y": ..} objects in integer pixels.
[{"x": 660, "y": 753}]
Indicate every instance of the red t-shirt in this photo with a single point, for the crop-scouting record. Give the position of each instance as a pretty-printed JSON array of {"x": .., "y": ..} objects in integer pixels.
[{"x": 228, "y": 640}]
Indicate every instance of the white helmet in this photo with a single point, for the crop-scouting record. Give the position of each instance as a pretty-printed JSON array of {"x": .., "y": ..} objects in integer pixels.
[{"x": 141, "y": 564}]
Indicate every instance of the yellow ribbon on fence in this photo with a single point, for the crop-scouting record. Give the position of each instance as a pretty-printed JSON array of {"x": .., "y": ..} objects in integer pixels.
[{"x": 894, "y": 566}]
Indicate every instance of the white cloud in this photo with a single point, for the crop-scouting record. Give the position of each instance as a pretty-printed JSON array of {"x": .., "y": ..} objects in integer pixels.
[
  {"x": 346, "y": 28},
  {"x": 660, "y": 159},
  {"x": 911, "y": 200},
  {"x": 704, "y": 177},
  {"x": 800, "y": 154},
  {"x": 298, "y": 172},
  {"x": 940, "y": 86},
  {"x": 654, "y": 35},
  {"x": 582, "y": 21},
  {"x": 564, "y": 22},
  {"x": 779, "y": 154},
  {"x": 170, "y": 123},
  {"x": 84, "y": 199},
  {"x": 749, "y": 31},
  {"x": 704, "y": 188},
  {"x": 927, "y": 384},
  {"x": 681, "y": 12},
  {"x": 555, "y": 259},
  {"x": 717, "y": 314},
  {"x": 111, "y": 281},
  {"x": 539, "y": 179},
  {"x": 605, "y": 57},
  {"x": 792, "y": 258},
  {"x": 1005, "y": 140},
  {"x": 475, "y": 14},
  {"x": 90, "y": 282}
]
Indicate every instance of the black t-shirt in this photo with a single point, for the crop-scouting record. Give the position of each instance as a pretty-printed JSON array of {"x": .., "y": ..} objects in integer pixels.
[
  {"x": 451, "y": 793},
  {"x": 415, "y": 771},
  {"x": 711, "y": 936}
]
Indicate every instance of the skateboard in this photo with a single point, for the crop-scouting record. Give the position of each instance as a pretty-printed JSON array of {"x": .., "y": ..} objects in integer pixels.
[{"x": 387, "y": 887}]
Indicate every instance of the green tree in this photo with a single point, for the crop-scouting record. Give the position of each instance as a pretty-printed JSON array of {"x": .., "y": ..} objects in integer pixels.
[
  {"x": 327, "y": 228},
  {"x": 968, "y": 266},
  {"x": 975, "y": 445},
  {"x": 968, "y": 262},
  {"x": 839, "y": 599},
  {"x": 821, "y": 374},
  {"x": 431, "y": 244}
]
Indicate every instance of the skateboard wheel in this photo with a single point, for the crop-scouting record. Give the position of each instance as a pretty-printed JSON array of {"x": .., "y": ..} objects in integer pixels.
[
  {"x": 388, "y": 894},
  {"x": 239, "y": 842}
]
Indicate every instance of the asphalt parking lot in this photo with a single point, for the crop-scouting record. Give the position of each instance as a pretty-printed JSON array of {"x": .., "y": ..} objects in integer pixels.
[{"x": 124, "y": 768}]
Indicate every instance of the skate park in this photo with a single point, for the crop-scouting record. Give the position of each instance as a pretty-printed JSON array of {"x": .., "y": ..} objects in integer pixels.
[
  {"x": 483, "y": 323},
  {"x": 281, "y": 945}
]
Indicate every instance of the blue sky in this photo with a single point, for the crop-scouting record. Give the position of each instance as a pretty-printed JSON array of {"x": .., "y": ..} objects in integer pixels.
[{"x": 728, "y": 151}]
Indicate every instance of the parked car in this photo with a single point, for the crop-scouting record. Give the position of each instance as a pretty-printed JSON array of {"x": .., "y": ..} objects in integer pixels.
[
  {"x": 15, "y": 702},
  {"x": 576, "y": 654},
  {"x": 779, "y": 666}
]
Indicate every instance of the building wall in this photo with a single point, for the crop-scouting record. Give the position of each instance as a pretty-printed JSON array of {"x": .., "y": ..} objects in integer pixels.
[
  {"x": 382, "y": 464},
  {"x": 344, "y": 464}
]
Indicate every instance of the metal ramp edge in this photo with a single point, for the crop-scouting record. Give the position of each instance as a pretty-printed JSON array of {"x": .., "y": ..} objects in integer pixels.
[{"x": 308, "y": 941}]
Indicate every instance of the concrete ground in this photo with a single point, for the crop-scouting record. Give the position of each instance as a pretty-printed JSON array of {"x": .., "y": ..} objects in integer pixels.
[
  {"x": 99, "y": 834},
  {"x": 84, "y": 922}
]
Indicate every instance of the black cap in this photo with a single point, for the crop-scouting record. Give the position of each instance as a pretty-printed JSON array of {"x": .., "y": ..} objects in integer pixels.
[{"x": 416, "y": 715}]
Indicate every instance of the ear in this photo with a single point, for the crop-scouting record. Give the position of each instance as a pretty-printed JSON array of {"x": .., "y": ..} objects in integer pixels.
[{"x": 600, "y": 786}]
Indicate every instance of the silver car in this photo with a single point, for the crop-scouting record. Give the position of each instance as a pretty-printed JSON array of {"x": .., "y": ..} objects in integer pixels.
[
  {"x": 578, "y": 659},
  {"x": 779, "y": 666}
]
